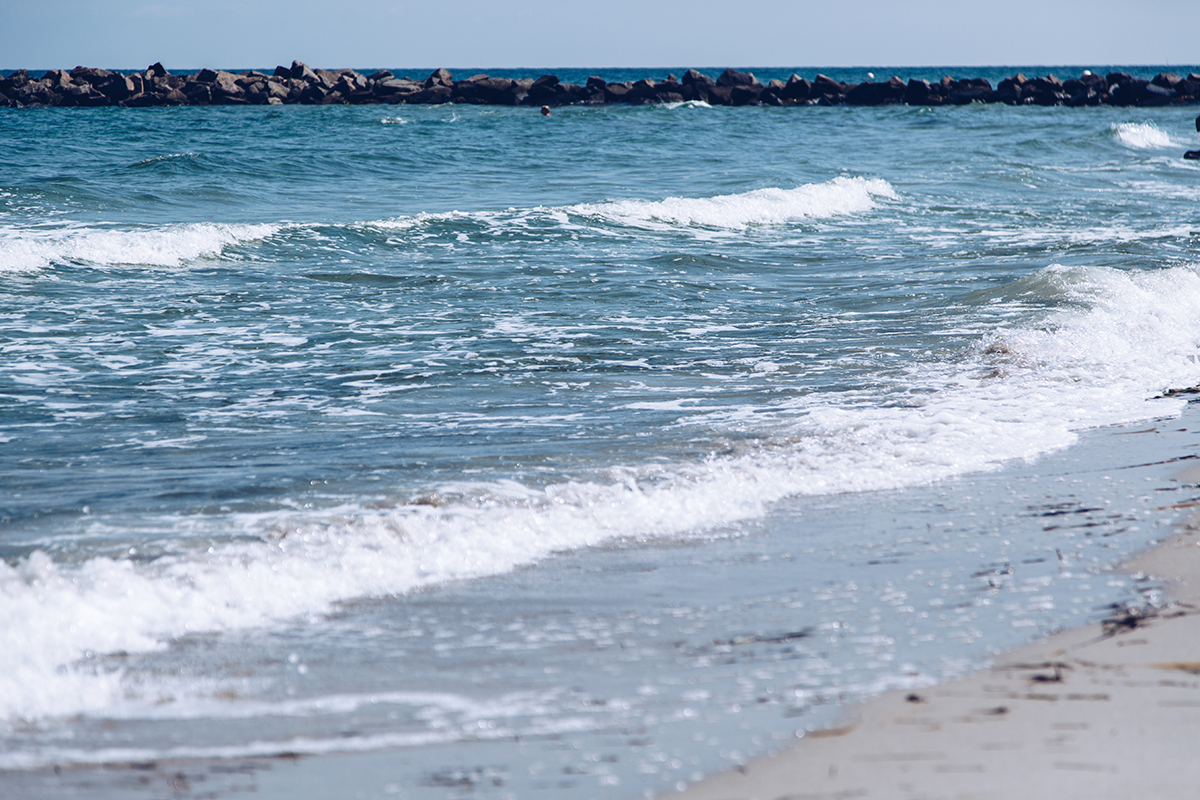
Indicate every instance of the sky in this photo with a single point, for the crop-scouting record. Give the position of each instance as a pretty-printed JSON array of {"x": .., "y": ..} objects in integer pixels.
[{"x": 131, "y": 34}]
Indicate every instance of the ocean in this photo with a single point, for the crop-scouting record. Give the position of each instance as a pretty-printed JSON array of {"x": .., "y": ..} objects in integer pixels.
[{"x": 455, "y": 451}]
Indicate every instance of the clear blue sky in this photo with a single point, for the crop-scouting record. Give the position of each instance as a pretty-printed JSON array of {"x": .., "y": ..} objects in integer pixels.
[{"x": 130, "y": 34}]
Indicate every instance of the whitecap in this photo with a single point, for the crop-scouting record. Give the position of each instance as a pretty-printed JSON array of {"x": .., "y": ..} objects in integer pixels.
[
  {"x": 1142, "y": 136},
  {"x": 29, "y": 249},
  {"x": 838, "y": 197}
]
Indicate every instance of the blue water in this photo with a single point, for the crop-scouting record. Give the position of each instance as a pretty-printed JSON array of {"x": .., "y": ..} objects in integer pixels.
[{"x": 412, "y": 431}]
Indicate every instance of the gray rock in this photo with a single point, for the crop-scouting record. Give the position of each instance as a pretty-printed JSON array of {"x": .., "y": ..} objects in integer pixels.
[
  {"x": 301, "y": 71},
  {"x": 731, "y": 77},
  {"x": 439, "y": 77}
]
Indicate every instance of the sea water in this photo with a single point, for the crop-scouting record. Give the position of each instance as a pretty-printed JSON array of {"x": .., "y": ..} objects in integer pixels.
[{"x": 576, "y": 456}]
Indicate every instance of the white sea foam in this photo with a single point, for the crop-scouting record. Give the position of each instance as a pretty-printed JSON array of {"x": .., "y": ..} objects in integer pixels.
[
  {"x": 1142, "y": 135},
  {"x": 834, "y": 198},
  {"x": 27, "y": 249},
  {"x": 685, "y": 104},
  {"x": 837, "y": 197},
  {"x": 1123, "y": 337}
]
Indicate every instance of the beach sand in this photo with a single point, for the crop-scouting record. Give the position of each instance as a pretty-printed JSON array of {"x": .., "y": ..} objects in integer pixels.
[{"x": 1111, "y": 710}]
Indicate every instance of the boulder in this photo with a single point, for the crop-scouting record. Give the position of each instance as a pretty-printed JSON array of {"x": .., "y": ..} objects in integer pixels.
[
  {"x": 327, "y": 78},
  {"x": 199, "y": 94},
  {"x": 593, "y": 95},
  {"x": 346, "y": 85},
  {"x": 670, "y": 86},
  {"x": 827, "y": 87},
  {"x": 1047, "y": 91},
  {"x": 731, "y": 77},
  {"x": 569, "y": 93},
  {"x": 481, "y": 89},
  {"x": 514, "y": 94},
  {"x": 396, "y": 86},
  {"x": 543, "y": 90},
  {"x": 1008, "y": 94},
  {"x": 797, "y": 89},
  {"x": 643, "y": 91},
  {"x": 440, "y": 77},
  {"x": 745, "y": 94},
  {"x": 225, "y": 87},
  {"x": 277, "y": 91},
  {"x": 1155, "y": 95},
  {"x": 920, "y": 93},
  {"x": 719, "y": 95},
  {"x": 869, "y": 93},
  {"x": 313, "y": 94},
  {"x": 117, "y": 87},
  {"x": 694, "y": 78},
  {"x": 74, "y": 94},
  {"x": 616, "y": 92},
  {"x": 206, "y": 75},
  {"x": 970, "y": 90},
  {"x": 256, "y": 93},
  {"x": 1084, "y": 97},
  {"x": 56, "y": 79},
  {"x": 156, "y": 70},
  {"x": 33, "y": 93},
  {"x": 301, "y": 71},
  {"x": 1188, "y": 90},
  {"x": 1128, "y": 92},
  {"x": 18, "y": 78},
  {"x": 90, "y": 75},
  {"x": 773, "y": 94},
  {"x": 433, "y": 95},
  {"x": 142, "y": 100}
]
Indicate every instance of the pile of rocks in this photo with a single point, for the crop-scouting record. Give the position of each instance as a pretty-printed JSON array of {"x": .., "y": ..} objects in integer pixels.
[{"x": 90, "y": 87}]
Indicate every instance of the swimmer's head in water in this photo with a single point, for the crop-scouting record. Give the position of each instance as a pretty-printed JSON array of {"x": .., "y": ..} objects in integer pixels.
[{"x": 545, "y": 111}]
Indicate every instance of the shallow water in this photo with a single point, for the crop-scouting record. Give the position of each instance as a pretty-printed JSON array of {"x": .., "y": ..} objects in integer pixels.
[{"x": 336, "y": 430}]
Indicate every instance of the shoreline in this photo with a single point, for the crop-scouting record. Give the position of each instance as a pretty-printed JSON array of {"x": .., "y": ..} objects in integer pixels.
[
  {"x": 1107, "y": 710},
  {"x": 299, "y": 84},
  {"x": 882, "y": 747}
]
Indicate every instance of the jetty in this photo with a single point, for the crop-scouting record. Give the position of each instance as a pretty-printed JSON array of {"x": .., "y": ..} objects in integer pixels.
[{"x": 91, "y": 87}]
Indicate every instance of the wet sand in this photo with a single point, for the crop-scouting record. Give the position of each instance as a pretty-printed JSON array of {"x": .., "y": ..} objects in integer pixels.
[{"x": 1110, "y": 710}]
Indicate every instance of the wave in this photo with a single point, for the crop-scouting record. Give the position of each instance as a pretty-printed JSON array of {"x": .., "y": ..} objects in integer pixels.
[
  {"x": 685, "y": 104},
  {"x": 172, "y": 157},
  {"x": 773, "y": 206},
  {"x": 25, "y": 250},
  {"x": 1114, "y": 339},
  {"x": 1142, "y": 136},
  {"x": 32, "y": 248},
  {"x": 834, "y": 198}
]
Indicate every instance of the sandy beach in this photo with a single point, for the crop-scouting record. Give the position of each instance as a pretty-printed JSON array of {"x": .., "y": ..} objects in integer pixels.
[{"x": 1111, "y": 710}]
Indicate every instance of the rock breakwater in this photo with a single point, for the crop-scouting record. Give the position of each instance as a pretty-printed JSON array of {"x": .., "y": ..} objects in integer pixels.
[{"x": 301, "y": 84}]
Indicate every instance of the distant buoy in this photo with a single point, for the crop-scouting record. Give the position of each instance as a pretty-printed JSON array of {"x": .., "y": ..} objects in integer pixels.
[
  {"x": 1087, "y": 72},
  {"x": 871, "y": 75}
]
